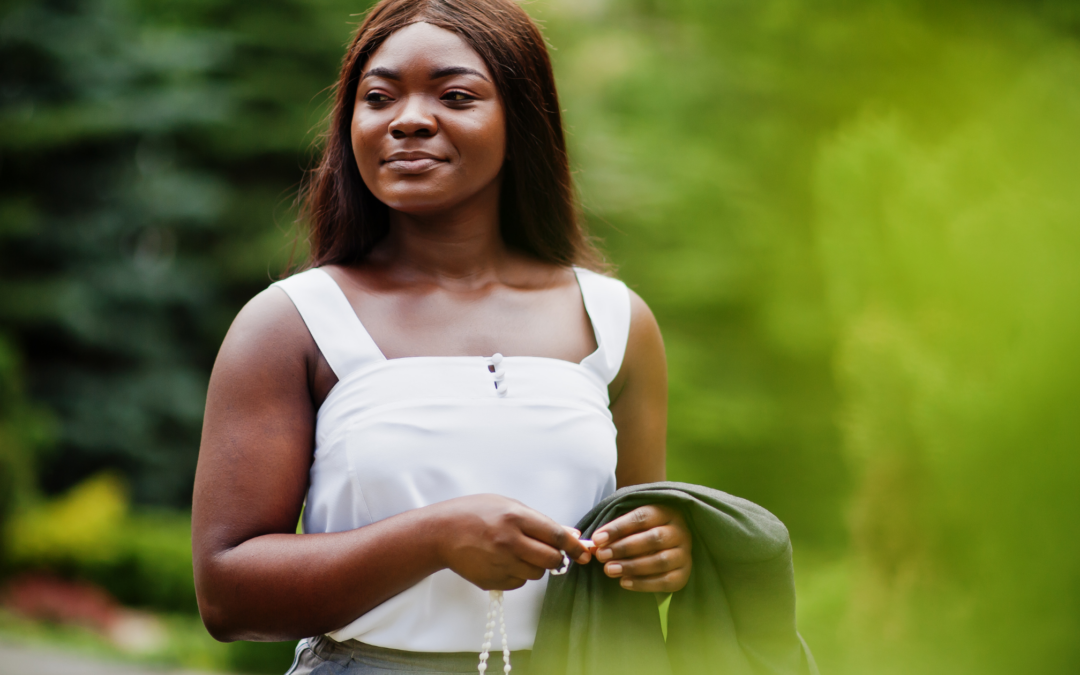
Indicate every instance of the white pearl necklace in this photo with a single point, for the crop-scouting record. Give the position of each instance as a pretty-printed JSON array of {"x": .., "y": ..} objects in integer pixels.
[{"x": 495, "y": 606}]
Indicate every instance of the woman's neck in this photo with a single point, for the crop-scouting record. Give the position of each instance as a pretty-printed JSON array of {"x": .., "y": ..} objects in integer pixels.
[{"x": 463, "y": 245}]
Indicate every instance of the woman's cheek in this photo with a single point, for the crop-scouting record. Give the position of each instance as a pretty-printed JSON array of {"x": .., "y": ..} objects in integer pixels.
[
  {"x": 369, "y": 173},
  {"x": 365, "y": 141}
]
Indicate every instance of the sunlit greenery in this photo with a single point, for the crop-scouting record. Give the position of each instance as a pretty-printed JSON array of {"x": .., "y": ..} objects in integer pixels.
[{"x": 857, "y": 222}]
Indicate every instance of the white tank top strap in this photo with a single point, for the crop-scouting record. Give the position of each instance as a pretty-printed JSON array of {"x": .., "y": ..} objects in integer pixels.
[
  {"x": 332, "y": 322},
  {"x": 607, "y": 301}
]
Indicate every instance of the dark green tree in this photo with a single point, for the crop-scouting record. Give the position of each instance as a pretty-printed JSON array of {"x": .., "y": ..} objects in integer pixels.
[{"x": 149, "y": 155}]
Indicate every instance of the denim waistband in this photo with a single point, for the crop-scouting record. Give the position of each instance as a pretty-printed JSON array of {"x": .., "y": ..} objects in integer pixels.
[{"x": 357, "y": 657}]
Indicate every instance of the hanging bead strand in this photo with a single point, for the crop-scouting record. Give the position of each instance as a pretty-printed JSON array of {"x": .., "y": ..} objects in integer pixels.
[{"x": 495, "y": 610}]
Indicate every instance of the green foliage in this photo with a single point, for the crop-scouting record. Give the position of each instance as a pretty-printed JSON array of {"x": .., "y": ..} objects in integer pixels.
[
  {"x": 142, "y": 558},
  {"x": 863, "y": 213},
  {"x": 951, "y": 266},
  {"x": 147, "y": 151},
  {"x": 683, "y": 161},
  {"x": 25, "y": 429}
]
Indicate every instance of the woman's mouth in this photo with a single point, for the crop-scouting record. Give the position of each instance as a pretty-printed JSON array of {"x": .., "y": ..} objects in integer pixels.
[{"x": 414, "y": 164}]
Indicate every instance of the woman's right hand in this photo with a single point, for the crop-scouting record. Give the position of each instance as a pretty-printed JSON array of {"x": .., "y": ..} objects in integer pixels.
[{"x": 498, "y": 543}]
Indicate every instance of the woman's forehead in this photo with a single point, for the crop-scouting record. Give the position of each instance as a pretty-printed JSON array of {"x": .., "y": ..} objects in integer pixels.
[{"x": 426, "y": 46}]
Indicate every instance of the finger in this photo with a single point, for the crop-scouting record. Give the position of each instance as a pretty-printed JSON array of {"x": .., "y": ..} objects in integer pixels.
[
  {"x": 584, "y": 558},
  {"x": 642, "y": 543},
  {"x": 638, "y": 520},
  {"x": 505, "y": 584},
  {"x": 546, "y": 530},
  {"x": 530, "y": 572},
  {"x": 522, "y": 569},
  {"x": 658, "y": 563},
  {"x": 669, "y": 582},
  {"x": 537, "y": 553}
]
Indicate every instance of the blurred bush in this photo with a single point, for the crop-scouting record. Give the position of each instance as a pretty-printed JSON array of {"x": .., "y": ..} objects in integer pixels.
[
  {"x": 25, "y": 430},
  {"x": 951, "y": 264},
  {"x": 147, "y": 150},
  {"x": 861, "y": 215},
  {"x": 142, "y": 558}
]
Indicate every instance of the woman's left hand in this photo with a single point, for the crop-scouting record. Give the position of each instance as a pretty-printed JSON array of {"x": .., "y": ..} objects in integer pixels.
[{"x": 648, "y": 549}]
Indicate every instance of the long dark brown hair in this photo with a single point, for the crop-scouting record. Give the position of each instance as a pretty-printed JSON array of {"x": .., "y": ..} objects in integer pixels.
[{"x": 538, "y": 211}]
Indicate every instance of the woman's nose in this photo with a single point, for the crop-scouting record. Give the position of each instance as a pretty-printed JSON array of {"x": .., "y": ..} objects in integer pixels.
[{"x": 414, "y": 119}]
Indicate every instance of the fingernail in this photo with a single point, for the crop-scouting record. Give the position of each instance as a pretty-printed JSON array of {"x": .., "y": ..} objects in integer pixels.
[
  {"x": 604, "y": 554},
  {"x": 601, "y": 538},
  {"x": 626, "y": 583},
  {"x": 614, "y": 569}
]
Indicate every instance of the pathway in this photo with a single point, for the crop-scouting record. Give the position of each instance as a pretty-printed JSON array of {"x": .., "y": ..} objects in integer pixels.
[{"x": 26, "y": 660}]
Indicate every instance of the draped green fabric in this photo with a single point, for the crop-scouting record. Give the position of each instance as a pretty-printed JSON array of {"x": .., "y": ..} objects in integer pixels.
[{"x": 736, "y": 615}]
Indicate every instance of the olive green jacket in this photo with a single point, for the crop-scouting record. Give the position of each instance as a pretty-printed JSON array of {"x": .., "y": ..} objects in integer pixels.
[{"x": 736, "y": 615}]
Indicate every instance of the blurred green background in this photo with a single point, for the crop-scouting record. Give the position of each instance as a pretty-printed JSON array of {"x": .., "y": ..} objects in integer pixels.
[{"x": 858, "y": 223}]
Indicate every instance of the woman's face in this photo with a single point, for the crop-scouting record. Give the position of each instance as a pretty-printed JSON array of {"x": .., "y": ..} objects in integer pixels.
[{"x": 428, "y": 127}]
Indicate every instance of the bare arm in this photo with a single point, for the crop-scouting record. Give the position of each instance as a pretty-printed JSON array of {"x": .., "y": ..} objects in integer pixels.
[
  {"x": 639, "y": 401},
  {"x": 647, "y": 549},
  {"x": 258, "y": 580}
]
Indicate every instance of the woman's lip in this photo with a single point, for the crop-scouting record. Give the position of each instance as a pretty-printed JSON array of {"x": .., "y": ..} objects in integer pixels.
[{"x": 418, "y": 165}]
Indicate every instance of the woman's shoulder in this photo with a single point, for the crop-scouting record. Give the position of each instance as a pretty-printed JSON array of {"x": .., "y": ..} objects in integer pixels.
[
  {"x": 270, "y": 311},
  {"x": 267, "y": 328},
  {"x": 644, "y": 356},
  {"x": 610, "y": 284},
  {"x": 644, "y": 329}
]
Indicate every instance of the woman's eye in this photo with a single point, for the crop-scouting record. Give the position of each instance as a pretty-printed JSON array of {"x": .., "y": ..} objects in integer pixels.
[
  {"x": 376, "y": 97},
  {"x": 457, "y": 96}
]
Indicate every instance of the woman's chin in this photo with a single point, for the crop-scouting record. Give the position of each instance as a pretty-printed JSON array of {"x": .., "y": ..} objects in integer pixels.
[
  {"x": 421, "y": 207},
  {"x": 428, "y": 198},
  {"x": 422, "y": 203}
]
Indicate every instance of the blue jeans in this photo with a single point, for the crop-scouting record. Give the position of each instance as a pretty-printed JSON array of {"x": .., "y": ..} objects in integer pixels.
[{"x": 322, "y": 656}]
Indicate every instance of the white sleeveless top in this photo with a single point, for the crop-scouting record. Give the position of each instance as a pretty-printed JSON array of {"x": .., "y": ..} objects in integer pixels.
[{"x": 400, "y": 434}]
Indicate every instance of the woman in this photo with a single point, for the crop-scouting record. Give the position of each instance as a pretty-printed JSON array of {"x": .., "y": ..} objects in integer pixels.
[{"x": 443, "y": 236}]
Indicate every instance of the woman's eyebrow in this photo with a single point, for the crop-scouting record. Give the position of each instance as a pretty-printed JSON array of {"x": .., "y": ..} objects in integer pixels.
[
  {"x": 437, "y": 74},
  {"x": 440, "y": 73},
  {"x": 379, "y": 71}
]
